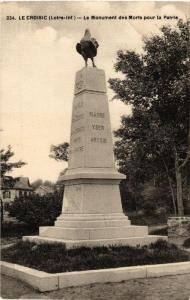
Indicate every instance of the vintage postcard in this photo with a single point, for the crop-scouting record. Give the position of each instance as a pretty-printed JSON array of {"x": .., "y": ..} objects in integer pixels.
[{"x": 95, "y": 149}]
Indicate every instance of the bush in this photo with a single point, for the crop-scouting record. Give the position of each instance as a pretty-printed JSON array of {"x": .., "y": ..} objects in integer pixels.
[
  {"x": 155, "y": 200},
  {"x": 12, "y": 230},
  {"x": 143, "y": 219},
  {"x": 161, "y": 211},
  {"x": 36, "y": 210},
  {"x": 186, "y": 243},
  {"x": 54, "y": 258}
]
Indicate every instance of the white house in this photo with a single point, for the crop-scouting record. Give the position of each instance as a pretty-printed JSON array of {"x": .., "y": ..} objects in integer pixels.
[{"x": 14, "y": 187}]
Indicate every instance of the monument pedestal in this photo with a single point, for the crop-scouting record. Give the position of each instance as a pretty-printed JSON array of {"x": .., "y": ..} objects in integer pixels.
[{"x": 92, "y": 213}]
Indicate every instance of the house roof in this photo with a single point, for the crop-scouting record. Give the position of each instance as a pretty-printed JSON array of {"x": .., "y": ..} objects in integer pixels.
[
  {"x": 18, "y": 183},
  {"x": 22, "y": 183},
  {"x": 45, "y": 188}
]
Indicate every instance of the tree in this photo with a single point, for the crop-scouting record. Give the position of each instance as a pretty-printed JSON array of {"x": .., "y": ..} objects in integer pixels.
[
  {"x": 35, "y": 184},
  {"x": 7, "y": 166},
  {"x": 156, "y": 83},
  {"x": 36, "y": 210},
  {"x": 49, "y": 183},
  {"x": 137, "y": 150},
  {"x": 60, "y": 152}
]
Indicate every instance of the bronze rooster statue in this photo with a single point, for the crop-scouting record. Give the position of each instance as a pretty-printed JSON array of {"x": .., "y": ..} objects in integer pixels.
[{"x": 87, "y": 47}]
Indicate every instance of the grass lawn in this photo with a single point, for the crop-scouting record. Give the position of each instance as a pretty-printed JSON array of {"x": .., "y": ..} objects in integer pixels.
[{"x": 55, "y": 258}]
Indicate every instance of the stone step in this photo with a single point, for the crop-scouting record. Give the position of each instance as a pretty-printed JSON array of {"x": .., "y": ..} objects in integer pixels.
[
  {"x": 92, "y": 224},
  {"x": 91, "y": 216},
  {"x": 93, "y": 233},
  {"x": 131, "y": 241}
]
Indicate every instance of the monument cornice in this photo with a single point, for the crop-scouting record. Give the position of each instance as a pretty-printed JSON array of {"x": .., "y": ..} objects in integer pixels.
[{"x": 89, "y": 92}]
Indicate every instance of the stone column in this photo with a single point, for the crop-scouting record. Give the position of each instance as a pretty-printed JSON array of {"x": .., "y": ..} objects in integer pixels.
[
  {"x": 92, "y": 212},
  {"x": 91, "y": 182}
]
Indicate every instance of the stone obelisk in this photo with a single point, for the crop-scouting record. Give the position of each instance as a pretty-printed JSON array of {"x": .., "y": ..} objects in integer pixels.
[{"x": 92, "y": 213}]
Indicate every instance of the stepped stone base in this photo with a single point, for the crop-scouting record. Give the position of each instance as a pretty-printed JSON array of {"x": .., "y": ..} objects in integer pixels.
[
  {"x": 78, "y": 230},
  {"x": 93, "y": 233},
  {"x": 69, "y": 244}
]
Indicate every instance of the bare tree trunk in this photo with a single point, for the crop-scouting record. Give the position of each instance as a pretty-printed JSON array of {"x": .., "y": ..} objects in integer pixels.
[
  {"x": 173, "y": 195},
  {"x": 178, "y": 173},
  {"x": 2, "y": 210},
  {"x": 188, "y": 186},
  {"x": 171, "y": 188},
  {"x": 154, "y": 180},
  {"x": 179, "y": 193},
  {"x": 179, "y": 169},
  {"x": 188, "y": 138}
]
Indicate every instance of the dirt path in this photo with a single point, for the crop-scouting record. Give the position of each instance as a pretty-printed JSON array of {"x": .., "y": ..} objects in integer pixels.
[{"x": 170, "y": 287}]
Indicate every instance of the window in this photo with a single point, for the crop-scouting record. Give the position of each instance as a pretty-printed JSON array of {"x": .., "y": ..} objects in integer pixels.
[{"x": 6, "y": 194}]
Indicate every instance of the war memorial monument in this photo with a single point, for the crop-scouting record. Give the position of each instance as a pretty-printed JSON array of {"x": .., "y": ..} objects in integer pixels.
[{"x": 92, "y": 213}]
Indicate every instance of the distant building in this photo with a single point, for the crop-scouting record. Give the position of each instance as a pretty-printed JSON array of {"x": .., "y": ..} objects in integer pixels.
[
  {"x": 44, "y": 190},
  {"x": 14, "y": 187}
]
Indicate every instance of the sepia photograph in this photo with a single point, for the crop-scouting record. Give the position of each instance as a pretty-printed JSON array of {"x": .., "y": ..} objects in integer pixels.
[{"x": 95, "y": 150}]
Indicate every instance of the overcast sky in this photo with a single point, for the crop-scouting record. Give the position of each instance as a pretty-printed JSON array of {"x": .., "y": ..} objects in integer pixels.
[{"x": 39, "y": 63}]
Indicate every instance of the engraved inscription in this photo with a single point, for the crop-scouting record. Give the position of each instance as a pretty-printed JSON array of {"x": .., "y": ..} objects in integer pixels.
[
  {"x": 78, "y": 117},
  {"x": 78, "y": 104},
  {"x": 76, "y": 130},
  {"x": 98, "y": 140},
  {"x": 77, "y": 149},
  {"x": 96, "y": 114},
  {"x": 97, "y": 127},
  {"x": 77, "y": 140}
]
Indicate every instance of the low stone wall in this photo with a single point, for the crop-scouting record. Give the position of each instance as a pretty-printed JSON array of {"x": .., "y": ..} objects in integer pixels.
[
  {"x": 178, "y": 229},
  {"x": 44, "y": 282}
]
